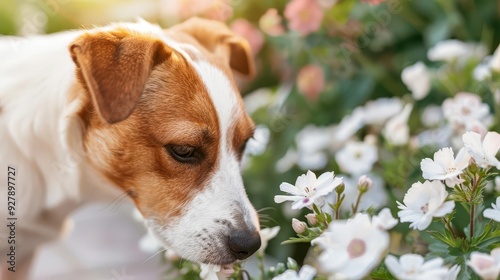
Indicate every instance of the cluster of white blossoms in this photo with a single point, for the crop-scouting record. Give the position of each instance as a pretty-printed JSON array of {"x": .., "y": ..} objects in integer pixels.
[{"x": 427, "y": 200}]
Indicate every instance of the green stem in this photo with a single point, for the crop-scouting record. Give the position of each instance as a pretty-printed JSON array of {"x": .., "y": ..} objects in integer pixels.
[
  {"x": 260, "y": 257},
  {"x": 337, "y": 207},
  {"x": 355, "y": 206},
  {"x": 450, "y": 227},
  {"x": 471, "y": 225}
]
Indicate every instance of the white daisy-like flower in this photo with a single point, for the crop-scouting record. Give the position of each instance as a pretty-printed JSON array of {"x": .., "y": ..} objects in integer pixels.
[
  {"x": 483, "y": 152},
  {"x": 450, "y": 50},
  {"x": 307, "y": 272},
  {"x": 357, "y": 157},
  {"x": 215, "y": 272},
  {"x": 424, "y": 201},
  {"x": 384, "y": 220},
  {"x": 349, "y": 125},
  {"x": 494, "y": 212},
  {"x": 464, "y": 110},
  {"x": 312, "y": 143},
  {"x": 487, "y": 266},
  {"x": 258, "y": 143},
  {"x": 418, "y": 79},
  {"x": 445, "y": 166},
  {"x": 308, "y": 189},
  {"x": 266, "y": 234},
  {"x": 432, "y": 116},
  {"x": 414, "y": 267},
  {"x": 378, "y": 111},
  {"x": 352, "y": 248},
  {"x": 396, "y": 130}
]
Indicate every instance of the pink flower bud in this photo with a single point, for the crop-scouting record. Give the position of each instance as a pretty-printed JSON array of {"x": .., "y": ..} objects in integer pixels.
[
  {"x": 298, "y": 226},
  {"x": 364, "y": 183},
  {"x": 311, "y": 219}
]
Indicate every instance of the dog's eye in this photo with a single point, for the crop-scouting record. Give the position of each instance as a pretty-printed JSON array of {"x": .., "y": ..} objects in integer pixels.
[{"x": 185, "y": 154}]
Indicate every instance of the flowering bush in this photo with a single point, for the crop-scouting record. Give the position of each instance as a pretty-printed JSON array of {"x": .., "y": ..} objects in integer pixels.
[{"x": 406, "y": 117}]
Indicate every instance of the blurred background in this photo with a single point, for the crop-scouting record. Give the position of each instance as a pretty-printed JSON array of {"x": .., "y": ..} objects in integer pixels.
[{"x": 330, "y": 73}]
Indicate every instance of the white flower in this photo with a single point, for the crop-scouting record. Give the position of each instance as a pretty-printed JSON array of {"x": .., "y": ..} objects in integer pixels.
[
  {"x": 357, "y": 157},
  {"x": 414, "y": 267},
  {"x": 424, "y": 201},
  {"x": 287, "y": 161},
  {"x": 375, "y": 197},
  {"x": 484, "y": 265},
  {"x": 495, "y": 60},
  {"x": 257, "y": 99},
  {"x": 349, "y": 125},
  {"x": 484, "y": 153},
  {"x": 258, "y": 143},
  {"x": 351, "y": 249},
  {"x": 451, "y": 50},
  {"x": 378, "y": 111},
  {"x": 463, "y": 109},
  {"x": 453, "y": 272},
  {"x": 482, "y": 70},
  {"x": 384, "y": 220},
  {"x": 311, "y": 143},
  {"x": 215, "y": 272},
  {"x": 432, "y": 116},
  {"x": 439, "y": 137},
  {"x": 444, "y": 166},
  {"x": 266, "y": 234},
  {"x": 396, "y": 130},
  {"x": 494, "y": 212},
  {"x": 308, "y": 189},
  {"x": 307, "y": 272},
  {"x": 418, "y": 79}
]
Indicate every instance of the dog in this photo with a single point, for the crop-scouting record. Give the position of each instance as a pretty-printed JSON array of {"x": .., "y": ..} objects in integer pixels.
[{"x": 127, "y": 109}]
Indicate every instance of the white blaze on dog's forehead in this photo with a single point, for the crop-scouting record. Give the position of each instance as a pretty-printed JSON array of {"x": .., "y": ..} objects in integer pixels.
[{"x": 222, "y": 94}]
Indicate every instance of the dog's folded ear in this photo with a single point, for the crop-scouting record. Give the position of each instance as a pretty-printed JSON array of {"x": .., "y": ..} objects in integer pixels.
[
  {"x": 115, "y": 67},
  {"x": 218, "y": 39}
]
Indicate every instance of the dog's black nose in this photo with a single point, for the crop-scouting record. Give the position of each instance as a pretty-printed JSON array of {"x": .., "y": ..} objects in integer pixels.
[{"x": 244, "y": 243}]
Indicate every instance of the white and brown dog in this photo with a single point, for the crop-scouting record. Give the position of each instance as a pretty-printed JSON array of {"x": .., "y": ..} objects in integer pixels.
[{"x": 127, "y": 108}]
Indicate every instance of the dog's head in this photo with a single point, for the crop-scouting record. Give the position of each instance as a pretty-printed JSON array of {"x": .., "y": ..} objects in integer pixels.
[{"x": 165, "y": 122}]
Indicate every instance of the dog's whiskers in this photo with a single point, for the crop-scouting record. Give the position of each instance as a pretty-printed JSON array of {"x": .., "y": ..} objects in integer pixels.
[
  {"x": 159, "y": 252},
  {"x": 116, "y": 201}
]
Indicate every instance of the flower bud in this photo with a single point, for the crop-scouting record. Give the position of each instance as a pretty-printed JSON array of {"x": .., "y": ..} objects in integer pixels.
[
  {"x": 472, "y": 165},
  {"x": 364, "y": 183},
  {"x": 298, "y": 226},
  {"x": 340, "y": 188},
  {"x": 311, "y": 219}
]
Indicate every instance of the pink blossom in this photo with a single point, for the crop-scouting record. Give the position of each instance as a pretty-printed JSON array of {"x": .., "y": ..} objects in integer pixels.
[
  {"x": 311, "y": 81},
  {"x": 304, "y": 16},
  {"x": 270, "y": 22},
  {"x": 248, "y": 31}
]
